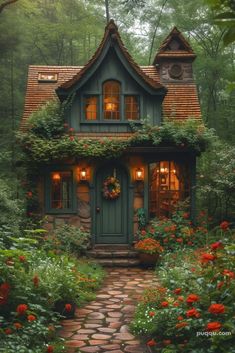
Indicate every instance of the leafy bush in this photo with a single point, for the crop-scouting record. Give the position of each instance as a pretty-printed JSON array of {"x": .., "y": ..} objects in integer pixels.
[
  {"x": 67, "y": 238},
  {"x": 194, "y": 307},
  {"x": 48, "y": 121},
  {"x": 30, "y": 285}
]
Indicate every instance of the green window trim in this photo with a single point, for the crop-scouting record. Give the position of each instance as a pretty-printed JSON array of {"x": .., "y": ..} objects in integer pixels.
[{"x": 67, "y": 187}]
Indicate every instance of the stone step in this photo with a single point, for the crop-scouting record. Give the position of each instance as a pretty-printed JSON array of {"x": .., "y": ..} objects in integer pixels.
[
  {"x": 121, "y": 262},
  {"x": 114, "y": 254}
]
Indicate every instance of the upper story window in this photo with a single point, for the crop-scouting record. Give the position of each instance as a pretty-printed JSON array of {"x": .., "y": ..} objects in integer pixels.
[
  {"x": 111, "y": 100},
  {"x": 132, "y": 107},
  {"x": 91, "y": 107}
]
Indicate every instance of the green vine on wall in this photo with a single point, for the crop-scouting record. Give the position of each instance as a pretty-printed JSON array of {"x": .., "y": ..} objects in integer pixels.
[{"x": 50, "y": 138}]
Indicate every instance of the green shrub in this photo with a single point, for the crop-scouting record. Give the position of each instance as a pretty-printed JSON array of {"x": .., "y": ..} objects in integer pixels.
[{"x": 68, "y": 238}]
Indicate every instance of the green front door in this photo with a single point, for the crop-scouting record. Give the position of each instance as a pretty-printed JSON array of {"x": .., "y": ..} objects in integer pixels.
[{"x": 111, "y": 216}]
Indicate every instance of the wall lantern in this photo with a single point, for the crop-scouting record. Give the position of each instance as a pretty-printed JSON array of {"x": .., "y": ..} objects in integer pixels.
[
  {"x": 139, "y": 174},
  {"x": 56, "y": 177},
  {"x": 83, "y": 174}
]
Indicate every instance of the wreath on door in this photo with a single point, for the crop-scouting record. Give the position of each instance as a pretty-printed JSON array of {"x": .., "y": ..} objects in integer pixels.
[{"x": 111, "y": 188}]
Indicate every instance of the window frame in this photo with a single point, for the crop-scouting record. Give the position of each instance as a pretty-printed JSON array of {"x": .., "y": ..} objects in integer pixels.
[
  {"x": 89, "y": 95},
  {"x": 120, "y": 103},
  {"x": 137, "y": 96},
  {"x": 47, "y": 191}
]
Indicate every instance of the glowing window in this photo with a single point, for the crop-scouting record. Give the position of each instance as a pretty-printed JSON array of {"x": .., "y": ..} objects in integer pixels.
[
  {"x": 111, "y": 100},
  {"x": 131, "y": 108},
  {"x": 47, "y": 77},
  {"x": 169, "y": 184},
  {"x": 61, "y": 190},
  {"x": 91, "y": 107}
]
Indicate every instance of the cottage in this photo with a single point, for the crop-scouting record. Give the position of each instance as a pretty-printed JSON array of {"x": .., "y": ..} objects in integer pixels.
[{"x": 110, "y": 94}]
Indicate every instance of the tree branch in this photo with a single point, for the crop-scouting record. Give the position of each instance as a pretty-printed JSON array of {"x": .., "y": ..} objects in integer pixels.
[{"x": 6, "y": 3}]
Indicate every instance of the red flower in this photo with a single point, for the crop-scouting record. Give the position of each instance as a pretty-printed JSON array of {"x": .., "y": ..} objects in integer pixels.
[
  {"x": 71, "y": 129},
  {"x": 164, "y": 304},
  {"x": 228, "y": 273},
  {"x": 71, "y": 138},
  {"x": 206, "y": 257},
  {"x": 181, "y": 324},
  {"x": 166, "y": 342},
  {"x": 4, "y": 292},
  {"x": 31, "y": 318},
  {"x": 50, "y": 349},
  {"x": 216, "y": 245},
  {"x": 177, "y": 290},
  {"x": 216, "y": 309},
  {"x": 21, "y": 309},
  {"x": 192, "y": 298},
  {"x": 29, "y": 194},
  {"x": 176, "y": 304},
  {"x": 180, "y": 298},
  {"x": 143, "y": 232},
  {"x": 185, "y": 215},
  {"x": 180, "y": 318},
  {"x": 220, "y": 284},
  {"x": 68, "y": 307},
  {"x": 224, "y": 226},
  {"x": 193, "y": 313},
  {"x": 152, "y": 313},
  {"x": 190, "y": 243},
  {"x": 22, "y": 258},
  {"x": 213, "y": 326},
  {"x": 36, "y": 281},
  {"x": 17, "y": 325},
  {"x": 179, "y": 240},
  {"x": 8, "y": 331},
  {"x": 66, "y": 125},
  {"x": 151, "y": 343}
]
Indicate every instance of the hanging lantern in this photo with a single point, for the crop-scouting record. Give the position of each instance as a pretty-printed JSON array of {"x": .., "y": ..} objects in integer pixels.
[{"x": 139, "y": 174}]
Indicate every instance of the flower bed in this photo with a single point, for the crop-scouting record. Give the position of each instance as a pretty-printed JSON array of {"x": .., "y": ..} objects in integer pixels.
[
  {"x": 31, "y": 283},
  {"x": 193, "y": 309}
]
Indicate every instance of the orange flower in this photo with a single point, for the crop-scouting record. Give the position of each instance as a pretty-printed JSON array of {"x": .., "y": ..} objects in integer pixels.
[
  {"x": 206, "y": 257},
  {"x": 22, "y": 258},
  {"x": 193, "y": 313},
  {"x": 181, "y": 298},
  {"x": 149, "y": 245},
  {"x": 164, "y": 304},
  {"x": 151, "y": 343},
  {"x": 152, "y": 313},
  {"x": 192, "y": 298},
  {"x": 216, "y": 309},
  {"x": 18, "y": 325},
  {"x": 31, "y": 318},
  {"x": 229, "y": 273},
  {"x": 213, "y": 326},
  {"x": 181, "y": 324},
  {"x": 177, "y": 290}
]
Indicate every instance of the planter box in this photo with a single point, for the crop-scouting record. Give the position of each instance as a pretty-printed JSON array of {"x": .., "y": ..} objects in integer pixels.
[{"x": 148, "y": 260}]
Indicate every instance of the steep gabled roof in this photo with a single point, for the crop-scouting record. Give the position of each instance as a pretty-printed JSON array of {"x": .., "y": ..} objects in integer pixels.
[
  {"x": 111, "y": 37},
  {"x": 174, "y": 46}
]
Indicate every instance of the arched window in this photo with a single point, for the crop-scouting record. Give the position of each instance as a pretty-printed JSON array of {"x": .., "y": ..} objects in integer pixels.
[{"x": 111, "y": 100}]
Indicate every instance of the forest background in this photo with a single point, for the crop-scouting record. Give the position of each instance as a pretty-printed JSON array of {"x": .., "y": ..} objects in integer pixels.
[{"x": 67, "y": 32}]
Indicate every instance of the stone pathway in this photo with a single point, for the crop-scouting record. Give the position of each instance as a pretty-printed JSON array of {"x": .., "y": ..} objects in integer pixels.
[{"x": 102, "y": 325}]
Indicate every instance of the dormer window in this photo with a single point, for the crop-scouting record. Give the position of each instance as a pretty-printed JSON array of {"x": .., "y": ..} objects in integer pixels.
[
  {"x": 91, "y": 107},
  {"x": 111, "y": 100},
  {"x": 47, "y": 77}
]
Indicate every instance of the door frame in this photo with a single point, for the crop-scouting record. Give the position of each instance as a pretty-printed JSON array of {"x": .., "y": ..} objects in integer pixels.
[{"x": 130, "y": 206}]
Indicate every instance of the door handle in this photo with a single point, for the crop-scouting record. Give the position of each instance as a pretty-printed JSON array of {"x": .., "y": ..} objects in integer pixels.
[{"x": 97, "y": 209}]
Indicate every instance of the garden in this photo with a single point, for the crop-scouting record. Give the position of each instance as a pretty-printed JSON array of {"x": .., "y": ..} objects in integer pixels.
[{"x": 192, "y": 309}]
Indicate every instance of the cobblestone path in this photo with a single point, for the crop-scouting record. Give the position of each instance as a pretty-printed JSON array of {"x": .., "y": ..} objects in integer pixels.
[{"x": 102, "y": 325}]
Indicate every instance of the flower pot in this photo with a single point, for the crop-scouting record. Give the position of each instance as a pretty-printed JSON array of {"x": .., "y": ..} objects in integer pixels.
[
  {"x": 65, "y": 308},
  {"x": 148, "y": 260}
]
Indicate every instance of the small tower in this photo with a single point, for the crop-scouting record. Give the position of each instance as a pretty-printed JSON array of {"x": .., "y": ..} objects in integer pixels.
[{"x": 175, "y": 58}]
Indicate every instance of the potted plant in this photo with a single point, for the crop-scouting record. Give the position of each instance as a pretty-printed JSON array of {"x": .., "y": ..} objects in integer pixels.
[{"x": 149, "y": 250}]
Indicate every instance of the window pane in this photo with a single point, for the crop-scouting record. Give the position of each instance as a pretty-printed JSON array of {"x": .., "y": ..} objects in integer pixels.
[
  {"x": 91, "y": 105},
  {"x": 131, "y": 107},
  {"x": 61, "y": 183},
  {"x": 111, "y": 97},
  {"x": 169, "y": 184}
]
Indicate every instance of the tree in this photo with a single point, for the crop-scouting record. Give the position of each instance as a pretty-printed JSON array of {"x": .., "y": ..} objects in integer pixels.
[{"x": 6, "y": 3}]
